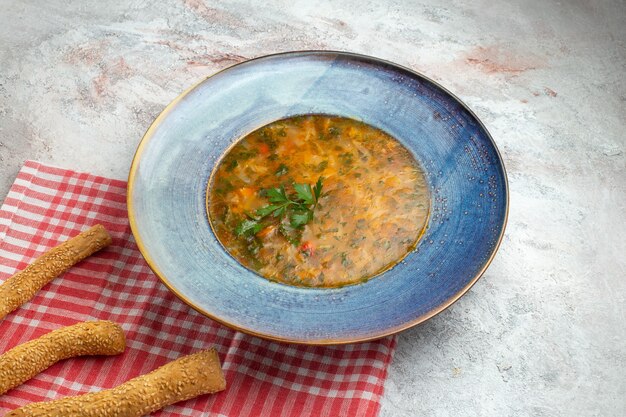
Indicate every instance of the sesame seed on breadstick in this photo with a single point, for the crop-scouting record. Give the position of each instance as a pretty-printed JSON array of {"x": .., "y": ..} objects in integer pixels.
[
  {"x": 180, "y": 380},
  {"x": 24, "y": 361},
  {"x": 23, "y": 286}
]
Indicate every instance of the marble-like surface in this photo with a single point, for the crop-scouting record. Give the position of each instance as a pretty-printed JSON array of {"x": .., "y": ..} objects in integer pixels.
[{"x": 543, "y": 332}]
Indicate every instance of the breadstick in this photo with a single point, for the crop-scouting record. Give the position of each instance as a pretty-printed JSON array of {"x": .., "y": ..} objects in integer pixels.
[
  {"x": 23, "y": 286},
  {"x": 27, "y": 360},
  {"x": 176, "y": 381}
]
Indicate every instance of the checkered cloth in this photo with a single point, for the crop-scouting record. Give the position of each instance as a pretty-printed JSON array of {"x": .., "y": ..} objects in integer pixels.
[{"x": 46, "y": 206}]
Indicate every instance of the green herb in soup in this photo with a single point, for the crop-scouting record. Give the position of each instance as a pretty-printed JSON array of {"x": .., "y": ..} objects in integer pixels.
[
  {"x": 318, "y": 201},
  {"x": 299, "y": 207}
]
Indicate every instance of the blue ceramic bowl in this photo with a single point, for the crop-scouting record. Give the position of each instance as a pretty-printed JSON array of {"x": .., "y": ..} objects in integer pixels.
[{"x": 171, "y": 169}]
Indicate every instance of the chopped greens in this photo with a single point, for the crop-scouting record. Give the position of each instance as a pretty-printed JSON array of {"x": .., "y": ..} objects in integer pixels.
[
  {"x": 321, "y": 166},
  {"x": 282, "y": 170},
  {"x": 297, "y": 208},
  {"x": 248, "y": 227}
]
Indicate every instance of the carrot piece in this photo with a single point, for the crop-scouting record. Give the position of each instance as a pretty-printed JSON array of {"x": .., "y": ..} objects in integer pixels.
[
  {"x": 246, "y": 192},
  {"x": 264, "y": 148},
  {"x": 266, "y": 231}
]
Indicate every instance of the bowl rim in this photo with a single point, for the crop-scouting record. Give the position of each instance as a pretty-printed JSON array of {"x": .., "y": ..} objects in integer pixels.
[{"x": 387, "y": 332}]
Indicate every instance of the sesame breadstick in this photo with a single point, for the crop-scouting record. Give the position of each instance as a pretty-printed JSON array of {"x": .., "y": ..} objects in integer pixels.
[
  {"x": 176, "y": 381},
  {"x": 28, "y": 359},
  {"x": 23, "y": 286}
]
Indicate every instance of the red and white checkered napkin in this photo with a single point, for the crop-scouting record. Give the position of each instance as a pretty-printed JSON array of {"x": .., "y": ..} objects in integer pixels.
[{"x": 48, "y": 205}]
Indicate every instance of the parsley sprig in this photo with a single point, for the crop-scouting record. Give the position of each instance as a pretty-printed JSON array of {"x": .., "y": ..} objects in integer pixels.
[{"x": 298, "y": 208}]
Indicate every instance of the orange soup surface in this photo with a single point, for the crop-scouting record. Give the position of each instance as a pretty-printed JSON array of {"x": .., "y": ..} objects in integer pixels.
[{"x": 318, "y": 201}]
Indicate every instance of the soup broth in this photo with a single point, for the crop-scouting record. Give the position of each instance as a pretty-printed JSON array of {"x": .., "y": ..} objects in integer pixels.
[{"x": 318, "y": 201}]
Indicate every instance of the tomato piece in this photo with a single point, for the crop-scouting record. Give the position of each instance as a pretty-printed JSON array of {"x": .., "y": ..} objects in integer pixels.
[
  {"x": 307, "y": 248},
  {"x": 264, "y": 148}
]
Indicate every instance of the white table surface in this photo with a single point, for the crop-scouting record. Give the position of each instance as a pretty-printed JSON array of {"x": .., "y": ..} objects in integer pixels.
[{"x": 543, "y": 332}]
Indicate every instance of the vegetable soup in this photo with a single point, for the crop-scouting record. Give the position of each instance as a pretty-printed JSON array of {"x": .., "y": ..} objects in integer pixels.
[{"x": 318, "y": 201}]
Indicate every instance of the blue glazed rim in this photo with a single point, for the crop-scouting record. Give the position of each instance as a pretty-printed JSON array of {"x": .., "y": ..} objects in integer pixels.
[{"x": 386, "y": 332}]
